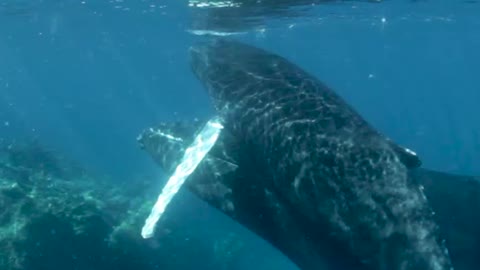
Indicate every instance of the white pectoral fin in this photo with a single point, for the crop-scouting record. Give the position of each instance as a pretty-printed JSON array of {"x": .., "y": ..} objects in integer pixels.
[{"x": 194, "y": 154}]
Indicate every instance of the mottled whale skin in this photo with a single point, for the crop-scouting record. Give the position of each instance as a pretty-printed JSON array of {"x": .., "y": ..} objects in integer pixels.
[
  {"x": 223, "y": 181},
  {"x": 230, "y": 182},
  {"x": 321, "y": 157}
]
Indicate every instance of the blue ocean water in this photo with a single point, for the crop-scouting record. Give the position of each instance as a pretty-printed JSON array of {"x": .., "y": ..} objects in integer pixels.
[{"x": 85, "y": 77}]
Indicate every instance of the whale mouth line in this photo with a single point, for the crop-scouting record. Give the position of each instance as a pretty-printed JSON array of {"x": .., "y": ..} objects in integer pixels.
[{"x": 199, "y": 59}]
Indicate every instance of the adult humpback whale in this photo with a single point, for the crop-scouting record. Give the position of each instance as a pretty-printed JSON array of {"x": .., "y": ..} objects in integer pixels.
[
  {"x": 235, "y": 187},
  {"x": 321, "y": 157},
  {"x": 230, "y": 182}
]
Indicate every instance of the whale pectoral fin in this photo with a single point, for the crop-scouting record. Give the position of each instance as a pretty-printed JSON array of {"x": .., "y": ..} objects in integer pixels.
[{"x": 409, "y": 158}]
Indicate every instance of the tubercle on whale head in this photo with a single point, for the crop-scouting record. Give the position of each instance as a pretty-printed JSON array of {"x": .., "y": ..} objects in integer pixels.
[{"x": 168, "y": 141}]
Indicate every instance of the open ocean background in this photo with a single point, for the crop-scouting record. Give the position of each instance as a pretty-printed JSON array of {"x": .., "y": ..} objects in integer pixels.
[{"x": 86, "y": 77}]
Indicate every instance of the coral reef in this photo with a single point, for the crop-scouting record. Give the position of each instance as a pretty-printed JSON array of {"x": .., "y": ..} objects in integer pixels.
[{"x": 55, "y": 216}]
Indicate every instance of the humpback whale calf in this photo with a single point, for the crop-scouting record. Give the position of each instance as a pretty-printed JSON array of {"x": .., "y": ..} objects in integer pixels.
[
  {"x": 223, "y": 181},
  {"x": 321, "y": 157}
]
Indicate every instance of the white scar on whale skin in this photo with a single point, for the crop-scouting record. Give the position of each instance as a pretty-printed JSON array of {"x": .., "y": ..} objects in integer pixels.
[{"x": 194, "y": 154}]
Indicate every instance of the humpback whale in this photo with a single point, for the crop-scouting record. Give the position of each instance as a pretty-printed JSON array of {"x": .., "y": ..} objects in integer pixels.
[
  {"x": 223, "y": 180},
  {"x": 228, "y": 180},
  {"x": 321, "y": 158}
]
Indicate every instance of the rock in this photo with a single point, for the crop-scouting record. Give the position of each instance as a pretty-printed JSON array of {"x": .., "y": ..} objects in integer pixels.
[{"x": 81, "y": 222}]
